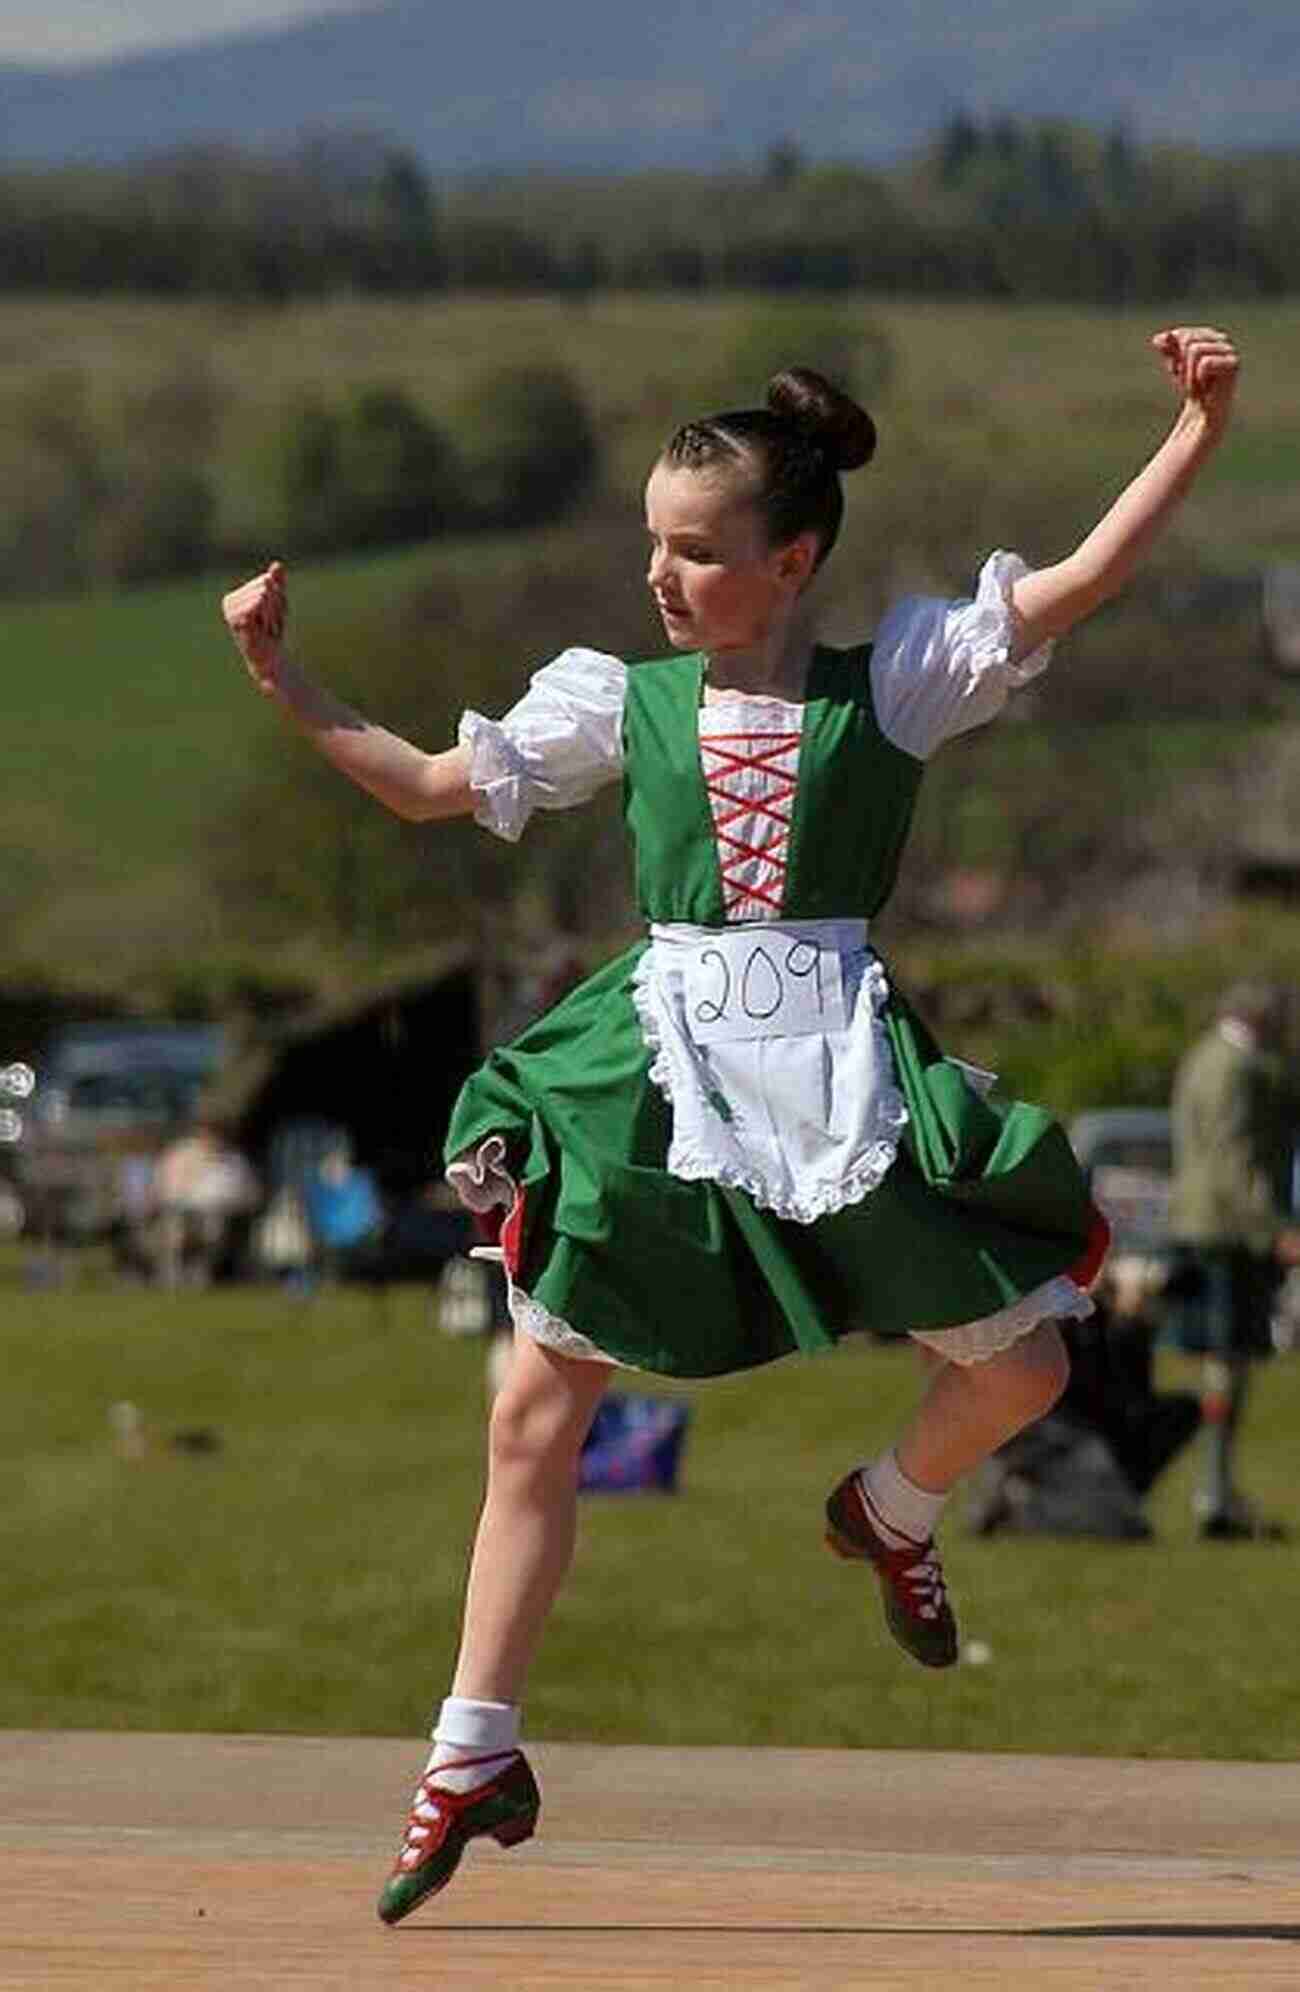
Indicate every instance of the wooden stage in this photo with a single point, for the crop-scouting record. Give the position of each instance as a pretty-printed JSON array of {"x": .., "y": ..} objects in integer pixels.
[{"x": 136, "y": 1863}]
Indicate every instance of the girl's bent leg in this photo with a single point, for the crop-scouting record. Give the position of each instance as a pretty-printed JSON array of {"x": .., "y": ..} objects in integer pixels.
[
  {"x": 969, "y": 1410},
  {"x": 528, "y": 1525},
  {"x": 886, "y": 1514}
]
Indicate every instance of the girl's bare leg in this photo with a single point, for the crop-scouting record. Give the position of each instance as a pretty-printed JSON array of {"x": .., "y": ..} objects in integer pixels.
[
  {"x": 969, "y": 1410},
  {"x": 477, "y": 1781},
  {"x": 528, "y": 1525}
]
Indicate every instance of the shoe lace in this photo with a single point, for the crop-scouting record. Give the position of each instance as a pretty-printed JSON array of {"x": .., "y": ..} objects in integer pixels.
[
  {"x": 922, "y": 1584},
  {"x": 434, "y": 1801},
  {"x": 424, "y": 1815}
]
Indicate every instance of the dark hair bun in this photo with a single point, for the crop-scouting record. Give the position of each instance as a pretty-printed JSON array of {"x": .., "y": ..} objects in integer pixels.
[{"x": 827, "y": 417}]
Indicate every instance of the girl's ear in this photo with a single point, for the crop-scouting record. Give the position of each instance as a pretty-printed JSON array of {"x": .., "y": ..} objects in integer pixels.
[{"x": 796, "y": 562}]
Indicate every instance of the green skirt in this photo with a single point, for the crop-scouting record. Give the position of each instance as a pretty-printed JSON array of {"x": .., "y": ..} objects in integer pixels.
[{"x": 984, "y": 1203}]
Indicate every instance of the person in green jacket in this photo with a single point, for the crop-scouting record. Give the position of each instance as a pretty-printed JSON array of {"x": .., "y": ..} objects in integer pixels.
[
  {"x": 1235, "y": 1118},
  {"x": 738, "y": 1140}
]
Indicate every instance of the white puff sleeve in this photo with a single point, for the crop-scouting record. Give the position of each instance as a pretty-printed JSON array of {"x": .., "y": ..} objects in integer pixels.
[
  {"x": 561, "y": 743},
  {"x": 940, "y": 668}
]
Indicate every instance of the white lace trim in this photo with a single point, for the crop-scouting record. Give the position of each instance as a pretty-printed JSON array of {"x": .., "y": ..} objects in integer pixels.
[
  {"x": 690, "y": 1158},
  {"x": 967, "y": 1343},
  {"x": 825, "y": 1198},
  {"x": 1059, "y": 1299},
  {"x": 652, "y": 1036},
  {"x": 540, "y": 1325}
]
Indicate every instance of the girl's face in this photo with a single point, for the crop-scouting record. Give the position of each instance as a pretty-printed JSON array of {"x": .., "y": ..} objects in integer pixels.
[{"x": 717, "y": 583}]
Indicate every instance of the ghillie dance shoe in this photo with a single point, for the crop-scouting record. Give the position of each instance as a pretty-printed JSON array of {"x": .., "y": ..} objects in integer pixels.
[
  {"x": 442, "y": 1823},
  {"x": 917, "y": 1611}
]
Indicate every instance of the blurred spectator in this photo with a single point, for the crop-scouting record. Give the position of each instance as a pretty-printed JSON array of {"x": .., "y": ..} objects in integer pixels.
[
  {"x": 203, "y": 1191},
  {"x": 134, "y": 1233},
  {"x": 344, "y": 1210},
  {"x": 1233, "y": 1132}
]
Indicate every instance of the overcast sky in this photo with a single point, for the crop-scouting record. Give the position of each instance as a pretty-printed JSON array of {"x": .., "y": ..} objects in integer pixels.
[{"x": 86, "y": 30}]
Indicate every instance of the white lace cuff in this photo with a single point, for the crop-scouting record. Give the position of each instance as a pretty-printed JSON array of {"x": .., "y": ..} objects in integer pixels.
[
  {"x": 496, "y": 775},
  {"x": 940, "y": 668},
  {"x": 988, "y": 625},
  {"x": 561, "y": 743}
]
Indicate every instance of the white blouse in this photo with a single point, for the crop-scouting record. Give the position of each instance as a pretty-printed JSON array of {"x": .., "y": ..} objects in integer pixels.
[{"x": 938, "y": 668}]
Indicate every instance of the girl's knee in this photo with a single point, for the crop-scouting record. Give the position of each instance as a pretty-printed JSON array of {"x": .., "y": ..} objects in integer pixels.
[
  {"x": 522, "y": 1431},
  {"x": 1030, "y": 1377},
  {"x": 536, "y": 1423}
]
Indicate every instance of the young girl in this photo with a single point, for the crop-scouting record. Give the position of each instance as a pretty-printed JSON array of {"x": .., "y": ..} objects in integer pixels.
[{"x": 737, "y": 1139}]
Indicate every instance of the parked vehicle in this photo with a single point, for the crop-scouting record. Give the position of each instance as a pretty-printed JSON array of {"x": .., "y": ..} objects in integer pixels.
[
  {"x": 1126, "y": 1154},
  {"x": 106, "y": 1095}
]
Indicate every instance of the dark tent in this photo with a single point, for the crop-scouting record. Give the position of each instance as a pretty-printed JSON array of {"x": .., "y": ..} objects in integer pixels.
[{"x": 385, "y": 1066}]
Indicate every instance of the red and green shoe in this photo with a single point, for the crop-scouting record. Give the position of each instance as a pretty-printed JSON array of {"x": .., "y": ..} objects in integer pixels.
[
  {"x": 915, "y": 1597},
  {"x": 442, "y": 1823}
]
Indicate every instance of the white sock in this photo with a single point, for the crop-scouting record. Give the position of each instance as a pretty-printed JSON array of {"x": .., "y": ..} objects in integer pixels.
[
  {"x": 901, "y": 1511},
  {"x": 473, "y": 1741}
]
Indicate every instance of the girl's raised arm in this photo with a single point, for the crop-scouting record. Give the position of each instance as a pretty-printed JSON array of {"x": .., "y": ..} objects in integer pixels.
[
  {"x": 411, "y": 783},
  {"x": 1203, "y": 365}
]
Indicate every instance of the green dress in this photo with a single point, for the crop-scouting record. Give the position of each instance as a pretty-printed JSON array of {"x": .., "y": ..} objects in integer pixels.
[{"x": 983, "y": 1204}]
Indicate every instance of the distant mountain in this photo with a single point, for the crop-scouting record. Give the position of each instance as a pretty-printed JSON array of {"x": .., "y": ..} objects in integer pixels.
[{"x": 591, "y": 84}]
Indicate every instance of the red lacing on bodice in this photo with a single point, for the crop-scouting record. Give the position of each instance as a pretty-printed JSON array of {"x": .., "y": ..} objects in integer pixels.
[{"x": 751, "y": 779}]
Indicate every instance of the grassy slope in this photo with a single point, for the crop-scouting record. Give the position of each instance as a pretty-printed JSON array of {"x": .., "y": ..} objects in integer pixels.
[
  {"x": 1077, "y": 387},
  {"x": 119, "y": 728},
  {"x": 308, "y": 1577},
  {"x": 137, "y": 705}
]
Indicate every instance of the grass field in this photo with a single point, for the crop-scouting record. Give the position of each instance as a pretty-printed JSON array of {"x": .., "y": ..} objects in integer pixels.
[{"x": 306, "y": 1576}]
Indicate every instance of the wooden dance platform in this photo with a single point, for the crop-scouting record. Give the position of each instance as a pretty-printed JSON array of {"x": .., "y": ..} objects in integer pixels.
[{"x": 166, "y": 1863}]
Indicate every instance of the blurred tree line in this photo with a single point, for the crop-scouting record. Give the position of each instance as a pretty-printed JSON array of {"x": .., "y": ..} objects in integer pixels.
[
  {"x": 128, "y": 497},
  {"x": 1006, "y": 209}
]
